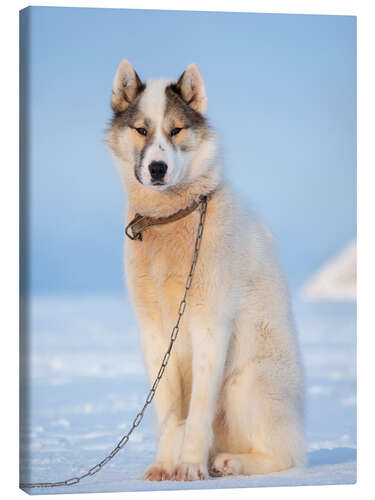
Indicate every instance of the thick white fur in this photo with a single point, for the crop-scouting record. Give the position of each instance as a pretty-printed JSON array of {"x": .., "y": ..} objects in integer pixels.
[
  {"x": 231, "y": 399},
  {"x": 152, "y": 105}
]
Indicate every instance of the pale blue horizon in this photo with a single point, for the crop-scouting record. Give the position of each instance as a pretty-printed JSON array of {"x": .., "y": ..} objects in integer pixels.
[{"x": 282, "y": 97}]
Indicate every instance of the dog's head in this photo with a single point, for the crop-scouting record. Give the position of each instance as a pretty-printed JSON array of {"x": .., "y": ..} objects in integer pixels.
[{"x": 159, "y": 132}]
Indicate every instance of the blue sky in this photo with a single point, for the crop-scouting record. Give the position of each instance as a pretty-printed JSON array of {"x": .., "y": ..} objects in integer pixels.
[{"x": 282, "y": 98}]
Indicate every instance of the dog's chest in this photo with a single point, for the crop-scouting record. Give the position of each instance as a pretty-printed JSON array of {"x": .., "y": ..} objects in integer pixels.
[
  {"x": 169, "y": 251},
  {"x": 169, "y": 261}
]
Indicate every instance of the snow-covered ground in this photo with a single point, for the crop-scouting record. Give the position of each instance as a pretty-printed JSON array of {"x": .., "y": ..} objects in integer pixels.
[
  {"x": 336, "y": 280},
  {"x": 84, "y": 381}
]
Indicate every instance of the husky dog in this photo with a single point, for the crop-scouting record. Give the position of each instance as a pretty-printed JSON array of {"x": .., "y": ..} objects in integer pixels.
[{"x": 231, "y": 399}]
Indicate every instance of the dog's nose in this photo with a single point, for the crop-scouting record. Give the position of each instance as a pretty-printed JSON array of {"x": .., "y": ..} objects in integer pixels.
[{"x": 158, "y": 170}]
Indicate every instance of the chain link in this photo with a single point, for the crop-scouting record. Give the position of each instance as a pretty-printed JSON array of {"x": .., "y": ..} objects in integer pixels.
[{"x": 150, "y": 396}]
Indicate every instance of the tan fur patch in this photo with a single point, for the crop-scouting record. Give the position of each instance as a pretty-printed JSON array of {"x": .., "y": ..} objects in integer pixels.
[
  {"x": 174, "y": 119},
  {"x": 138, "y": 139},
  {"x": 180, "y": 137}
]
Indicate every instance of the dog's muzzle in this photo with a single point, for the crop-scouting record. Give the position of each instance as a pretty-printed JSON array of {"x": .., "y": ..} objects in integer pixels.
[{"x": 157, "y": 169}]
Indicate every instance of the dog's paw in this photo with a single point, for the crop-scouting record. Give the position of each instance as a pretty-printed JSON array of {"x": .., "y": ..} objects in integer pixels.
[
  {"x": 226, "y": 464},
  {"x": 190, "y": 472},
  {"x": 158, "y": 471}
]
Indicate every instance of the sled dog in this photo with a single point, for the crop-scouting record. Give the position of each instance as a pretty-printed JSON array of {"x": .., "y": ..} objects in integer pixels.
[{"x": 231, "y": 399}]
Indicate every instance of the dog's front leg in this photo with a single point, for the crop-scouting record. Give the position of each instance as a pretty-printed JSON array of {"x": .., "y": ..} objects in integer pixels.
[
  {"x": 209, "y": 341},
  {"x": 155, "y": 337},
  {"x": 167, "y": 401}
]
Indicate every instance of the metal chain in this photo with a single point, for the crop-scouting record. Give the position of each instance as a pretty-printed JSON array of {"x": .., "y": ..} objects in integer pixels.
[{"x": 137, "y": 420}]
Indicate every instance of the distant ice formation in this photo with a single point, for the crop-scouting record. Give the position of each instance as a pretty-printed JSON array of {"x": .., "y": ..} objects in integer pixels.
[{"x": 336, "y": 280}]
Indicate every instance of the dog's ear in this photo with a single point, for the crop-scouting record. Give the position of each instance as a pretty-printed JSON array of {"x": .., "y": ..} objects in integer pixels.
[
  {"x": 192, "y": 89},
  {"x": 126, "y": 86}
]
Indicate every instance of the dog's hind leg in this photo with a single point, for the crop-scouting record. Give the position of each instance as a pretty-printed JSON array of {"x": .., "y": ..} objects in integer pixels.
[
  {"x": 272, "y": 442},
  {"x": 261, "y": 432},
  {"x": 228, "y": 464},
  {"x": 273, "y": 447},
  {"x": 260, "y": 429},
  {"x": 259, "y": 423}
]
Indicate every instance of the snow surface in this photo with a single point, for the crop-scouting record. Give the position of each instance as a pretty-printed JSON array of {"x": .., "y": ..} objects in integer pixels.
[
  {"x": 83, "y": 381},
  {"x": 336, "y": 280}
]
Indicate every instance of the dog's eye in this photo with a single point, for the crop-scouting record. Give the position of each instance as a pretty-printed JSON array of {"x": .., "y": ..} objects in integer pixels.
[
  {"x": 175, "y": 131},
  {"x": 141, "y": 131}
]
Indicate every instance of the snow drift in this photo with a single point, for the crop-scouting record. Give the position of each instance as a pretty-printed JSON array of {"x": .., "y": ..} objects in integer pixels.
[{"x": 336, "y": 280}]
